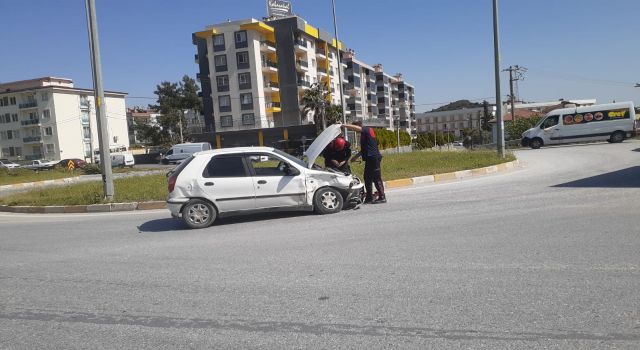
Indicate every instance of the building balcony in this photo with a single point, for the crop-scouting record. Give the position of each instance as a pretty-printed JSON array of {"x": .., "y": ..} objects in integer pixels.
[
  {"x": 267, "y": 46},
  {"x": 30, "y": 104},
  {"x": 197, "y": 61},
  {"x": 322, "y": 71},
  {"x": 271, "y": 86},
  {"x": 321, "y": 54},
  {"x": 84, "y": 104},
  {"x": 269, "y": 66},
  {"x": 300, "y": 45},
  {"x": 30, "y": 123},
  {"x": 273, "y": 107},
  {"x": 32, "y": 139},
  {"x": 302, "y": 65},
  {"x": 303, "y": 84}
]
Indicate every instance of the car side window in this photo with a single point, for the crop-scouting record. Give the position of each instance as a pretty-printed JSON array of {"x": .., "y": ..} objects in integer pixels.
[
  {"x": 225, "y": 166},
  {"x": 550, "y": 121},
  {"x": 266, "y": 165}
]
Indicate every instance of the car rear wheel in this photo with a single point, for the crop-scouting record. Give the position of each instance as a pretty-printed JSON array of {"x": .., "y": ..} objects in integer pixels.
[
  {"x": 617, "y": 137},
  {"x": 535, "y": 143},
  {"x": 198, "y": 213},
  {"x": 327, "y": 201}
]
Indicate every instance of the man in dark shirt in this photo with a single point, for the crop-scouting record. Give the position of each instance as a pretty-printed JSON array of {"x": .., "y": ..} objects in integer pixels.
[
  {"x": 372, "y": 159},
  {"x": 337, "y": 154}
]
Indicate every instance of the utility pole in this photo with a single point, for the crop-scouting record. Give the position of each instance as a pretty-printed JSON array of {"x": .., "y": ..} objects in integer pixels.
[
  {"x": 335, "y": 32},
  {"x": 496, "y": 54},
  {"x": 103, "y": 134},
  {"x": 180, "y": 125},
  {"x": 398, "y": 134},
  {"x": 515, "y": 73}
]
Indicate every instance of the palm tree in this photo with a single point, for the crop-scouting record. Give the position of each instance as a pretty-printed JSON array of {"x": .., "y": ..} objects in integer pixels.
[
  {"x": 315, "y": 101},
  {"x": 333, "y": 114}
]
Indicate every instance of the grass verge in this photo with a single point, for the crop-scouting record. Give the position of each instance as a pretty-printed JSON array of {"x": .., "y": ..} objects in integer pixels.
[
  {"x": 131, "y": 189},
  {"x": 154, "y": 187},
  {"x": 16, "y": 176}
]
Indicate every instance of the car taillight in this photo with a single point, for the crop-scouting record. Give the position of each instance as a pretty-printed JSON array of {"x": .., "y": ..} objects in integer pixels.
[{"x": 172, "y": 183}]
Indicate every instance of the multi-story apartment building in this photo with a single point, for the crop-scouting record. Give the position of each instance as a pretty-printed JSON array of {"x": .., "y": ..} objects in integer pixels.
[
  {"x": 253, "y": 73},
  {"x": 50, "y": 118}
]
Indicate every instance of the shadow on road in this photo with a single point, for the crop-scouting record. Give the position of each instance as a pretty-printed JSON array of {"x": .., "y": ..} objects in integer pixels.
[
  {"x": 635, "y": 150},
  {"x": 171, "y": 224},
  {"x": 625, "y": 178}
]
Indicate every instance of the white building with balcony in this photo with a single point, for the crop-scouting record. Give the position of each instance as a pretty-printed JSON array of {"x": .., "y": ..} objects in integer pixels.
[{"x": 49, "y": 118}]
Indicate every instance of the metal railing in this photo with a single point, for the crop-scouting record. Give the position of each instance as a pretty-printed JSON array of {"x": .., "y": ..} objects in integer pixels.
[
  {"x": 32, "y": 139},
  {"x": 302, "y": 63},
  {"x": 272, "y": 84},
  {"x": 30, "y": 104},
  {"x": 272, "y": 104},
  {"x": 270, "y": 64},
  {"x": 30, "y": 122},
  {"x": 302, "y": 82},
  {"x": 268, "y": 43}
]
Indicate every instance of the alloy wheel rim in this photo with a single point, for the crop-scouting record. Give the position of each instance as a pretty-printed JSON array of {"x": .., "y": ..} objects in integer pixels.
[
  {"x": 329, "y": 200},
  {"x": 198, "y": 214}
]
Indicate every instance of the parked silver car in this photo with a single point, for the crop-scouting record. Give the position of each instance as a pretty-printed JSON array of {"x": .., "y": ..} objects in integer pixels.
[{"x": 243, "y": 180}]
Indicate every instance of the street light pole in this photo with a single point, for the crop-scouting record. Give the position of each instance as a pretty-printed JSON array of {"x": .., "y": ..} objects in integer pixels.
[
  {"x": 496, "y": 53},
  {"x": 101, "y": 119},
  {"x": 335, "y": 32}
]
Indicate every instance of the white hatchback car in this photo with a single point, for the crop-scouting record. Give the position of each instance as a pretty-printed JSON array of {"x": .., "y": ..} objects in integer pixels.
[{"x": 243, "y": 180}]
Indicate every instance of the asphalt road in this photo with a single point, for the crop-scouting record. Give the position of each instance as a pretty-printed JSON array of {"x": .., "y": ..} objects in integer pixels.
[{"x": 545, "y": 256}]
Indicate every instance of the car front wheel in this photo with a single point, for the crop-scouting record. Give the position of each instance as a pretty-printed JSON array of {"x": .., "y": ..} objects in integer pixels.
[
  {"x": 327, "y": 201},
  {"x": 198, "y": 213}
]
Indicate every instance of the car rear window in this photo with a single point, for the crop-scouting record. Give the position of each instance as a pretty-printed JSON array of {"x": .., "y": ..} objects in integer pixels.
[
  {"x": 177, "y": 170},
  {"x": 225, "y": 166}
]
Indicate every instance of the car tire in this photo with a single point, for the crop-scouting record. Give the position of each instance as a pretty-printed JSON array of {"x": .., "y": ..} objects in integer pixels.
[
  {"x": 535, "y": 143},
  {"x": 198, "y": 213},
  {"x": 327, "y": 201},
  {"x": 617, "y": 137}
]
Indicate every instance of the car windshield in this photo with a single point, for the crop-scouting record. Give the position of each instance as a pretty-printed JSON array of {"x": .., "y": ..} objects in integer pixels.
[{"x": 293, "y": 159}]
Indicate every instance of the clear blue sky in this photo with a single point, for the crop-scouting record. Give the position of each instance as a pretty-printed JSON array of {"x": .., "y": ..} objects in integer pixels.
[{"x": 573, "y": 48}]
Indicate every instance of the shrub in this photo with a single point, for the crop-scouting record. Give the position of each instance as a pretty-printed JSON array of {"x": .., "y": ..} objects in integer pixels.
[{"x": 90, "y": 169}]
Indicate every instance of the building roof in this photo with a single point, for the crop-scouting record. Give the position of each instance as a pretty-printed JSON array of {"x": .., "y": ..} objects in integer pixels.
[{"x": 59, "y": 84}]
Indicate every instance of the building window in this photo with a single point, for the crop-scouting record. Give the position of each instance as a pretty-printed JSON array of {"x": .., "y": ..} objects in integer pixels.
[
  {"x": 14, "y": 117},
  {"x": 241, "y": 39},
  {"x": 50, "y": 148},
  {"x": 48, "y": 131},
  {"x": 246, "y": 101},
  {"x": 221, "y": 63},
  {"x": 248, "y": 119},
  {"x": 12, "y": 101},
  {"x": 243, "y": 59},
  {"x": 84, "y": 117},
  {"x": 218, "y": 42},
  {"x": 244, "y": 81},
  {"x": 223, "y": 83},
  {"x": 224, "y": 103},
  {"x": 86, "y": 132},
  {"x": 4, "y": 102},
  {"x": 46, "y": 114},
  {"x": 226, "y": 121},
  {"x": 44, "y": 96}
]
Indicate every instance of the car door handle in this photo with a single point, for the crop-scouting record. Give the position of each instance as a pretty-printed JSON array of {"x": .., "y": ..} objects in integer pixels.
[
  {"x": 262, "y": 182},
  {"x": 208, "y": 183}
]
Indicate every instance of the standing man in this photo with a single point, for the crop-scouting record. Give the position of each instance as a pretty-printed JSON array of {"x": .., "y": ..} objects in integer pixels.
[
  {"x": 337, "y": 154},
  {"x": 372, "y": 159}
]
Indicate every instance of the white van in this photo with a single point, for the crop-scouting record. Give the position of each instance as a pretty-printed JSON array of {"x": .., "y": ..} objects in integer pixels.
[
  {"x": 122, "y": 160},
  {"x": 613, "y": 122},
  {"x": 182, "y": 151}
]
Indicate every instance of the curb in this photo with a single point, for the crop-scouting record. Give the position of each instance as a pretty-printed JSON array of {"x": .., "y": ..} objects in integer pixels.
[
  {"x": 115, "y": 207},
  {"x": 28, "y": 185},
  {"x": 456, "y": 175},
  {"x": 93, "y": 208}
]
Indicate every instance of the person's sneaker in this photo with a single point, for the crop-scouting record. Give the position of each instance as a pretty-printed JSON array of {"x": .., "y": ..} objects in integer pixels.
[
  {"x": 368, "y": 201},
  {"x": 380, "y": 201}
]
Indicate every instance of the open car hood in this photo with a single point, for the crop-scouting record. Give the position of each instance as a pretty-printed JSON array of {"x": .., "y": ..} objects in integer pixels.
[{"x": 320, "y": 143}]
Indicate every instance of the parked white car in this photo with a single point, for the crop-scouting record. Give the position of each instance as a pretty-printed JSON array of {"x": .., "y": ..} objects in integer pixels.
[
  {"x": 7, "y": 164},
  {"x": 41, "y": 164},
  {"x": 244, "y": 180}
]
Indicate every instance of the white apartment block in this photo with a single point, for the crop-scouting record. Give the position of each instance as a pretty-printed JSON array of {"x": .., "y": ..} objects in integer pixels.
[{"x": 50, "y": 118}]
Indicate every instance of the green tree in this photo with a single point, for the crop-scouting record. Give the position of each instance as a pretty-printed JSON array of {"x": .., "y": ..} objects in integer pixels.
[
  {"x": 173, "y": 100},
  {"x": 315, "y": 100},
  {"x": 515, "y": 129},
  {"x": 333, "y": 114},
  {"x": 486, "y": 116}
]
